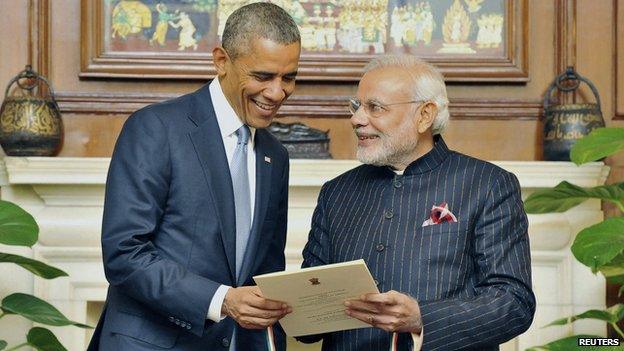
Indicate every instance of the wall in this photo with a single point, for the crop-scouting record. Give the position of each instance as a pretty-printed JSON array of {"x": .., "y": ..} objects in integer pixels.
[{"x": 491, "y": 121}]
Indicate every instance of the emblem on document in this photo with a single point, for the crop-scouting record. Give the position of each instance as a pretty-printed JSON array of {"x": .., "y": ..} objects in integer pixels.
[{"x": 314, "y": 281}]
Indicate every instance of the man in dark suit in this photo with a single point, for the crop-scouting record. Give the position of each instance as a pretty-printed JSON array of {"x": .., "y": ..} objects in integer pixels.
[
  {"x": 196, "y": 203},
  {"x": 443, "y": 234}
]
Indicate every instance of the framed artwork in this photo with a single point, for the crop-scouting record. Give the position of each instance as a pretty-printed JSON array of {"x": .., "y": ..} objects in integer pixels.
[{"x": 469, "y": 40}]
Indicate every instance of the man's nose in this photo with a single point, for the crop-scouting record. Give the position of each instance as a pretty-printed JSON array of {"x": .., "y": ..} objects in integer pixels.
[
  {"x": 275, "y": 91},
  {"x": 359, "y": 118}
]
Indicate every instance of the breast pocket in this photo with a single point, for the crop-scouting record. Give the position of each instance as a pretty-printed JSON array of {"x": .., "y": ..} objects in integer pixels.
[
  {"x": 445, "y": 257},
  {"x": 444, "y": 241},
  {"x": 447, "y": 227}
]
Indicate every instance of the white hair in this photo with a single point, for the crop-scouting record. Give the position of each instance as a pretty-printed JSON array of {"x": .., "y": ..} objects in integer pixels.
[{"x": 427, "y": 81}]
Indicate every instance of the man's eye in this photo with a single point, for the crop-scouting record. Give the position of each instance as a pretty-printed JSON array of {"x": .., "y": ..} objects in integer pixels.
[
  {"x": 288, "y": 79},
  {"x": 262, "y": 77},
  {"x": 375, "y": 107}
]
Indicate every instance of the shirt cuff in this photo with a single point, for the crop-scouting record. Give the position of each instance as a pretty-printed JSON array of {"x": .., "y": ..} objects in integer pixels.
[
  {"x": 214, "y": 311},
  {"x": 418, "y": 340}
]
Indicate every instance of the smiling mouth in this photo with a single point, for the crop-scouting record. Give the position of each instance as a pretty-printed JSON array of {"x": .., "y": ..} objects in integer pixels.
[
  {"x": 266, "y": 107},
  {"x": 367, "y": 137}
]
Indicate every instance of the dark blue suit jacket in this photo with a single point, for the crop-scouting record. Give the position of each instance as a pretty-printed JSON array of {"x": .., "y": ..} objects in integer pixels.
[
  {"x": 472, "y": 278},
  {"x": 168, "y": 235}
]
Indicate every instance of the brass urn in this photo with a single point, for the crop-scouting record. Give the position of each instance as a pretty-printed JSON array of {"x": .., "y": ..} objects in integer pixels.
[
  {"x": 564, "y": 124},
  {"x": 30, "y": 122}
]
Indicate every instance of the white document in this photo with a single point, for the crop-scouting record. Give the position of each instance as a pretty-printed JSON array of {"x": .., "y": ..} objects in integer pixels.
[{"x": 317, "y": 296}]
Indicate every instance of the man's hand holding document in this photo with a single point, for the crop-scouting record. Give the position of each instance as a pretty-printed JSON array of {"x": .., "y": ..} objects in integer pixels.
[{"x": 317, "y": 296}]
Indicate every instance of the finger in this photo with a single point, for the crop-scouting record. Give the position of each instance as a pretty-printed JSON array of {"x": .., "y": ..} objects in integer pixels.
[
  {"x": 386, "y": 322},
  {"x": 398, "y": 311},
  {"x": 256, "y": 291},
  {"x": 257, "y": 323},
  {"x": 385, "y": 298},
  {"x": 363, "y": 316},
  {"x": 266, "y": 304},
  {"x": 362, "y": 306},
  {"x": 391, "y": 327},
  {"x": 382, "y": 317},
  {"x": 250, "y": 311},
  {"x": 254, "y": 298}
]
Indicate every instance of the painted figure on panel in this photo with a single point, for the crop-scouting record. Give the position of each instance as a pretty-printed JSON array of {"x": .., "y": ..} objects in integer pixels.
[
  {"x": 373, "y": 26},
  {"x": 308, "y": 40},
  {"x": 398, "y": 25},
  {"x": 411, "y": 24},
  {"x": 160, "y": 34},
  {"x": 490, "y": 31},
  {"x": 474, "y": 5},
  {"x": 319, "y": 33},
  {"x": 225, "y": 9},
  {"x": 428, "y": 23},
  {"x": 455, "y": 30},
  {"x": 330, "y": 27},
  {"x": 130, "y": 17},
  {"x": 187, "y": 40}
]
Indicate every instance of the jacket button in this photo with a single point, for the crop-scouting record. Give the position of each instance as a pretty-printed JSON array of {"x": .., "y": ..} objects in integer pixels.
[
  {"x": 177, "y": 321},
  {"x": 388, "y": 214},
  {"x": 380, "y": 247},
  {"x": 188, "y": 326},
  {"x": 225, "y": 342},
  {"x": 376, "y": 282},
  {"x": 398, "y": 184},
  {"x": 171, "y": 319},
  {"x": 183, "y": 324}
]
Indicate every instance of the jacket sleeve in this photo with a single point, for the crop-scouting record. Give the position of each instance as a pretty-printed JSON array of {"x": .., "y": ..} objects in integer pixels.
[
  {"x": 135, "y": 202},
  {"x": 503, "y": 304}
]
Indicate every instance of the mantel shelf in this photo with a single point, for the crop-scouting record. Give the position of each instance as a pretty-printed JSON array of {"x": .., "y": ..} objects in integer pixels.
[{"x": 74, "y": 170}]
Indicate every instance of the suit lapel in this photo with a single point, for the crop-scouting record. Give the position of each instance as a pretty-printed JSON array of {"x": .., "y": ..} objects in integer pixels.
[
  {"x": 263, "y": 191},
  {"x": 209, "y": 147}
]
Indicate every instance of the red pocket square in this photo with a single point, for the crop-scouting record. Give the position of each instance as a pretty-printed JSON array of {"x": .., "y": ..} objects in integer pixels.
[{"x": 440, "y": 214}]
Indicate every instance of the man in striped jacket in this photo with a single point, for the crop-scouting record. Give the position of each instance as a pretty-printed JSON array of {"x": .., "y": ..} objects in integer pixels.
[{"x": 443, "y": 234}]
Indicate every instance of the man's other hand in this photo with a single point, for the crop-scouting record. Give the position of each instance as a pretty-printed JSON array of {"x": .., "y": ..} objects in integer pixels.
[
  {"x": 251, "y": 310},
  {"x": 390, "y": 311}
]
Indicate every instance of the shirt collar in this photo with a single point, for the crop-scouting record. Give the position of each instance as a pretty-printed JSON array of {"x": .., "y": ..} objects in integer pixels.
[
  {"x": 227, "y": 119},
  {"x": 431, "y": 159}
]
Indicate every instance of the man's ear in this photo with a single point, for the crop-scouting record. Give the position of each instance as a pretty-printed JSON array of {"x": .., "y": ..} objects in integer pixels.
[
  {"x": 428, "y": 113},
  {"x": 220, "y": 59}
]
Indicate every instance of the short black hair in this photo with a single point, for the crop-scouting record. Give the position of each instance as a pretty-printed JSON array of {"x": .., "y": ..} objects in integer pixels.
[{"x": 258, "y": 20}]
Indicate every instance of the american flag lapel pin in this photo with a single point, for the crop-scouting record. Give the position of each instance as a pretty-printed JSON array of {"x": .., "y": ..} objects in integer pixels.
[{"x": 267, "y": 159}]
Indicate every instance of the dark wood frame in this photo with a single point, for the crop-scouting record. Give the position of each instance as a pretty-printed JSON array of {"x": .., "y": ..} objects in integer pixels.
[
  {"x": 95, "y": 63},
  {"x": 619, "y": 59},
  {"x": 565, "y": 42}
]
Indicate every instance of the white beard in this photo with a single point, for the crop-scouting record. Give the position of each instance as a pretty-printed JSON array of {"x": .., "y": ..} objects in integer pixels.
[{"x": 393, "y": 150}]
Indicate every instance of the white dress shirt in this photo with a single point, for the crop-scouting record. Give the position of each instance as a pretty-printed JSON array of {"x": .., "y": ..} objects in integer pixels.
[{"x": 229, "y": 123}]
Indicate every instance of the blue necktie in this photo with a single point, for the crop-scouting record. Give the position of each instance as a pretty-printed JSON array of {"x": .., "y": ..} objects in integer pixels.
[{"x": 242, "y": 203}]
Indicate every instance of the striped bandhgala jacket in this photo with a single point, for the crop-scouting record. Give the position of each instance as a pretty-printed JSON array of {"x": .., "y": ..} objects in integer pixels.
[{"x": 471, "y": 278}]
